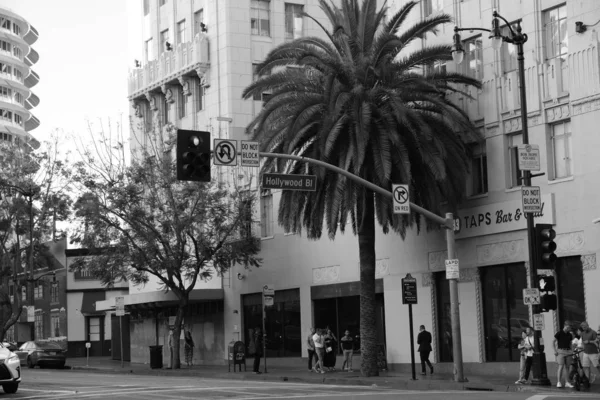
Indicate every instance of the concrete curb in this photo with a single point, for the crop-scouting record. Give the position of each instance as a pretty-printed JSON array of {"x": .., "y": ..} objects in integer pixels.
[{"x": 384, "y": 381}]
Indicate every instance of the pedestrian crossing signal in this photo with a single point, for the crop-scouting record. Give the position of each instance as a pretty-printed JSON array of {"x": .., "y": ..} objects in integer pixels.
[{"x": 547, "y": 287}]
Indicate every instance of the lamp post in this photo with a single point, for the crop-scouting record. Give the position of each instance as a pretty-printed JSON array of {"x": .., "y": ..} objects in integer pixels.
[
  {"x": 29, "y": 194},
  {"x": 517, "y": 38}
]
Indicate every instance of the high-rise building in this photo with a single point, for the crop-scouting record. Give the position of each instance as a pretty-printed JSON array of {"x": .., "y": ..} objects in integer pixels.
[
  {"x": 17, "y": 77},
  {"x": 317, "y": 282}
]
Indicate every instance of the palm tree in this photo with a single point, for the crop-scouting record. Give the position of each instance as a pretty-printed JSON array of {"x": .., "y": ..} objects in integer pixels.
[{"x": 360, "y": 100}]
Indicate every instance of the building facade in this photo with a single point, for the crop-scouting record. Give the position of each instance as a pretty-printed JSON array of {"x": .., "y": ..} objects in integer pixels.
[
  {"x": 317, "y": 282},
  {"x": 17, "y": 78}
]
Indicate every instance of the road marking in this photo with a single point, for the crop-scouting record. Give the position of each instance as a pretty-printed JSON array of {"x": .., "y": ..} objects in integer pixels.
[
  {"x": 562, "y": 396},
  {"x": 22, "y": 389}
]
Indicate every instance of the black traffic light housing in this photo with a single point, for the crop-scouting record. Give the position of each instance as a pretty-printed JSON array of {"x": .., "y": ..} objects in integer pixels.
[
  {"x": 193, "y": 155},
  {"x": 547, "y": 287},
  {"x": 545, "y": 246}
]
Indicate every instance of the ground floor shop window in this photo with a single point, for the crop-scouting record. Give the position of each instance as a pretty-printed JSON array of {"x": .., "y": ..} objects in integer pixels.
[
  {"x": 282, "y": 323},
  {"x": 443, "y": 317},
  {"x": 343, "y": 313},
  {"x": 571, "y": 297},
  {"x": 504, "y": 314}
]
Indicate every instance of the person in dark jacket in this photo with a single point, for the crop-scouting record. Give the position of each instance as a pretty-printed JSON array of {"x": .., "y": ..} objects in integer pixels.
[
  {"x": 424, "y": 342},
  {"x": 258, "y": 349}
]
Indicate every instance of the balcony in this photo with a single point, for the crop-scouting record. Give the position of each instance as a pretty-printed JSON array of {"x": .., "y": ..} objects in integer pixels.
[{"x": 183, "y": 60}]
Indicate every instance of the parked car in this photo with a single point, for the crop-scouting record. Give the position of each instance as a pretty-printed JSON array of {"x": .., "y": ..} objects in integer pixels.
[
  {"x": 42, "y": 353},
  {"x": 10, "y": 370},
  {"x": 10, "y": 346}
]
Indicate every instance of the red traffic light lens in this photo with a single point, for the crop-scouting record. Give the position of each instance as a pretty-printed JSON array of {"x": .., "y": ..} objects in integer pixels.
[
  {"x": 194, "y": 141},
  {"x": 548, "y": 234}
]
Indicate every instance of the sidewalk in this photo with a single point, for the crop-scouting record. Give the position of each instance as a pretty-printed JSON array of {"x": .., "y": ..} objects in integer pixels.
[{"x": 292, "y": 374}]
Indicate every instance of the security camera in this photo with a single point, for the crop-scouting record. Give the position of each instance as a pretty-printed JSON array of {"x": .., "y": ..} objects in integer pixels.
[
  {"x": 596, "y": 221},
  {"x": 240, "y": 276}
]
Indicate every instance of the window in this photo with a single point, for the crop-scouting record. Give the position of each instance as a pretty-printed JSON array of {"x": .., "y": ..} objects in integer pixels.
[
  {"x": 444, "y": 321},
  {"x": 55, "y": 326},
  {"x": 199, "y": 98},
  {"x": 146, "y": 7},
  {"x": 198, "y": 19},
  {"x": 282, "y": 322},
  {"x": 149, "y": 50},
  {"x": 54, "y": 292},
  {"x": 473, "y": 65},
  {"x": 293, "y": 21},
  {"x": 509, "y": 52},
  {"x": 39, "y": 325},
  {"x": 5, "y": 23},
  {"x": 5, "y": 68},
  {"x": 164, "y": 38},
  {"x": 569, "y": 282},
  {"x": 562, "y": 155},
  {"x": 504, "y": 314},
  {"x": 478, "y": 184},
  {"x": 515, "y": 173},
  {"x": 266, "y": 215},
  {"x": 166, "y": 110},
  {"x": 16, "y": 29},
  {"x": 557, "y": 40},
  {"x": 181, "y": 32},
  {"x": 94, "y": 329},
  {"x": 258, "y": 96},
  {"x": 6, "y": 115},
  {"x": 5, "y": 92},
  {"x": 557, "y": 43},
  {"x": 18, "y": 75},
  {"x": 18, "y": 52},
  {"x": 181, "y": 102},
  {"x": 19, "y": 98},
  {"x": 38, "y": 292},
  {"x": 432, "y": 6},
  {"x": 260, "y": 17},
  {"x": 18, "y": 120}
]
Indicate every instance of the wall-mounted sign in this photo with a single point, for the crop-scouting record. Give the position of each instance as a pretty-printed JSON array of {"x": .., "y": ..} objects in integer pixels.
[{"x": 502, "y": 217}]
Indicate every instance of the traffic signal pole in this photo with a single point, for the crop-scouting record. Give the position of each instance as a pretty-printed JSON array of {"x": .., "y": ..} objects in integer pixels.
[{"x": 447, "y": 223}]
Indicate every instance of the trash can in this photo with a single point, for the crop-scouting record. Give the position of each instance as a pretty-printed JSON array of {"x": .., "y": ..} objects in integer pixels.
[{"x": 156, "y": 360}]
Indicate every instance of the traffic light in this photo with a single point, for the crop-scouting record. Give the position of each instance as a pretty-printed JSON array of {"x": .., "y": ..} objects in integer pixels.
[
  {"x": 545, "y": 246},
  {"x": 547, "y": 287},
  {"x": 193, "y": 155}
]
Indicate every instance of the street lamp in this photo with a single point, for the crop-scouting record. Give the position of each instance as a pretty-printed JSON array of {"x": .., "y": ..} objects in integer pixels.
[
  {"x": 29, "y": 194},
  {"x": 518, "y": 38}
]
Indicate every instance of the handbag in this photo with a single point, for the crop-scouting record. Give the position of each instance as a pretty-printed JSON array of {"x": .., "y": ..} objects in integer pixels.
[{"x": 329, "y": 349}]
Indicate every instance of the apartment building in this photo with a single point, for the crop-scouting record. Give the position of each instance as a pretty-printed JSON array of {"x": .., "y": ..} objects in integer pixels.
[
  {"x": 317, "y": 282},
  {"x": 17, "y": 78}
]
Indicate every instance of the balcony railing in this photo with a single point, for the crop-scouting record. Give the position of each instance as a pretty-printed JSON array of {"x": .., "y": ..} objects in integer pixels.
[
  {"x": 584, "y": 70},
  {"x": 185, "y": 55}
]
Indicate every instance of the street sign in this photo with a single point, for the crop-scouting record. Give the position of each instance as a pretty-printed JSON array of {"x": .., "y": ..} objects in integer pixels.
[
  {"x": 538, "y": 322},
  {"x": 120, "y": 306},
  {"x": 456, "y": 226},
  {"x": 409, "y": 290},
  {"x": 225, "y": 152},
  {"x": 88, "y": 345},
  {"x": 30, "y": 313},
  {"x": 401, "y": 199},
  {"x": 249, "y": 154},
  {"x": 172, "y": 321},
  {"x": 532, "y": 199},
  {"x": 452, "y": 269},
  {"x": 529, "y": 157},
  {"x": 289, "y": 182},
  {"x": 269, "y": 289},
  {"x": 531, "y": 297}
]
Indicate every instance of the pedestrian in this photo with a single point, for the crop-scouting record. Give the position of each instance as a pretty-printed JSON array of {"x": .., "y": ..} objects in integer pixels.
[
  {"x": 562, "y": 352},
  {"x": 311, "y": 349},
  {"x": 528, "y": 346},
  {"x": 522, "y": 357},
  {"x": 347, "y": 345},
  {"x": 171, "y": 343},
  {"x": 330, "y": 350},
  {"x": 258, "y": 349},
  {"x": 590, "y": 349},
  {"x": 189, "y": 348},
  {"x": 424, "y": 342},
  {"x": 319, "y": 342}
]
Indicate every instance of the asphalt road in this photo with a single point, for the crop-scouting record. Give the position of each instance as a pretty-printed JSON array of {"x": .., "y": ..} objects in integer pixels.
[{"x": 68, "y": 384}]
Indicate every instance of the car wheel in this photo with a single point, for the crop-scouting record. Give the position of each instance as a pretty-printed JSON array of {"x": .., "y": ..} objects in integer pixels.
[
  {"x": 10, "y": 387},
  {"x": 30, "y": 363}
]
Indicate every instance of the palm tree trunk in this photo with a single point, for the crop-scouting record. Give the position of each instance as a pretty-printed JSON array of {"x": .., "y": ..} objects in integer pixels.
[{"x": 366, "y": 249}]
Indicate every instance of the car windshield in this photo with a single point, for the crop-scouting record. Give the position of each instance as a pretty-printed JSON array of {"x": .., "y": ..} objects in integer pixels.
[{"x": 47, "y": 346}]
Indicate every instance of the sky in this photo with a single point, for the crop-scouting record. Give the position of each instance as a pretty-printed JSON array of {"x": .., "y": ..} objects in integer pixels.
[{"x": 86, "y": 49}]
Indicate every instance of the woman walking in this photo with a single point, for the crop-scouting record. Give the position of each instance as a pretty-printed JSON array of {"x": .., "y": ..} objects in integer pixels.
[
  {"x": 330, "y": 350},
  {"x": 189, "y": 348}
]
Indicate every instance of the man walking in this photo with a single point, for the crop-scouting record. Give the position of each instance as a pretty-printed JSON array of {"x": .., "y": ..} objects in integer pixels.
[
  {"x": 424, "y": 342},
  {"x": 528, "y": 345},
  {"x": 258, "y": 352},
  {"x": 311, "y": 349},
  {"x": 590, "y": 349},
  {"x": 171, "y": 343},
  {"x": 319, "y": 343},
  {"x": 564, "y": 355}
]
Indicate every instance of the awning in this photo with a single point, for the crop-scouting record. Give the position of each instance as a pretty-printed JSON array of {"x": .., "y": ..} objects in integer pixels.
[
  {"x": 159, "y": 299},
  {"x": 88, "y": 304}
]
